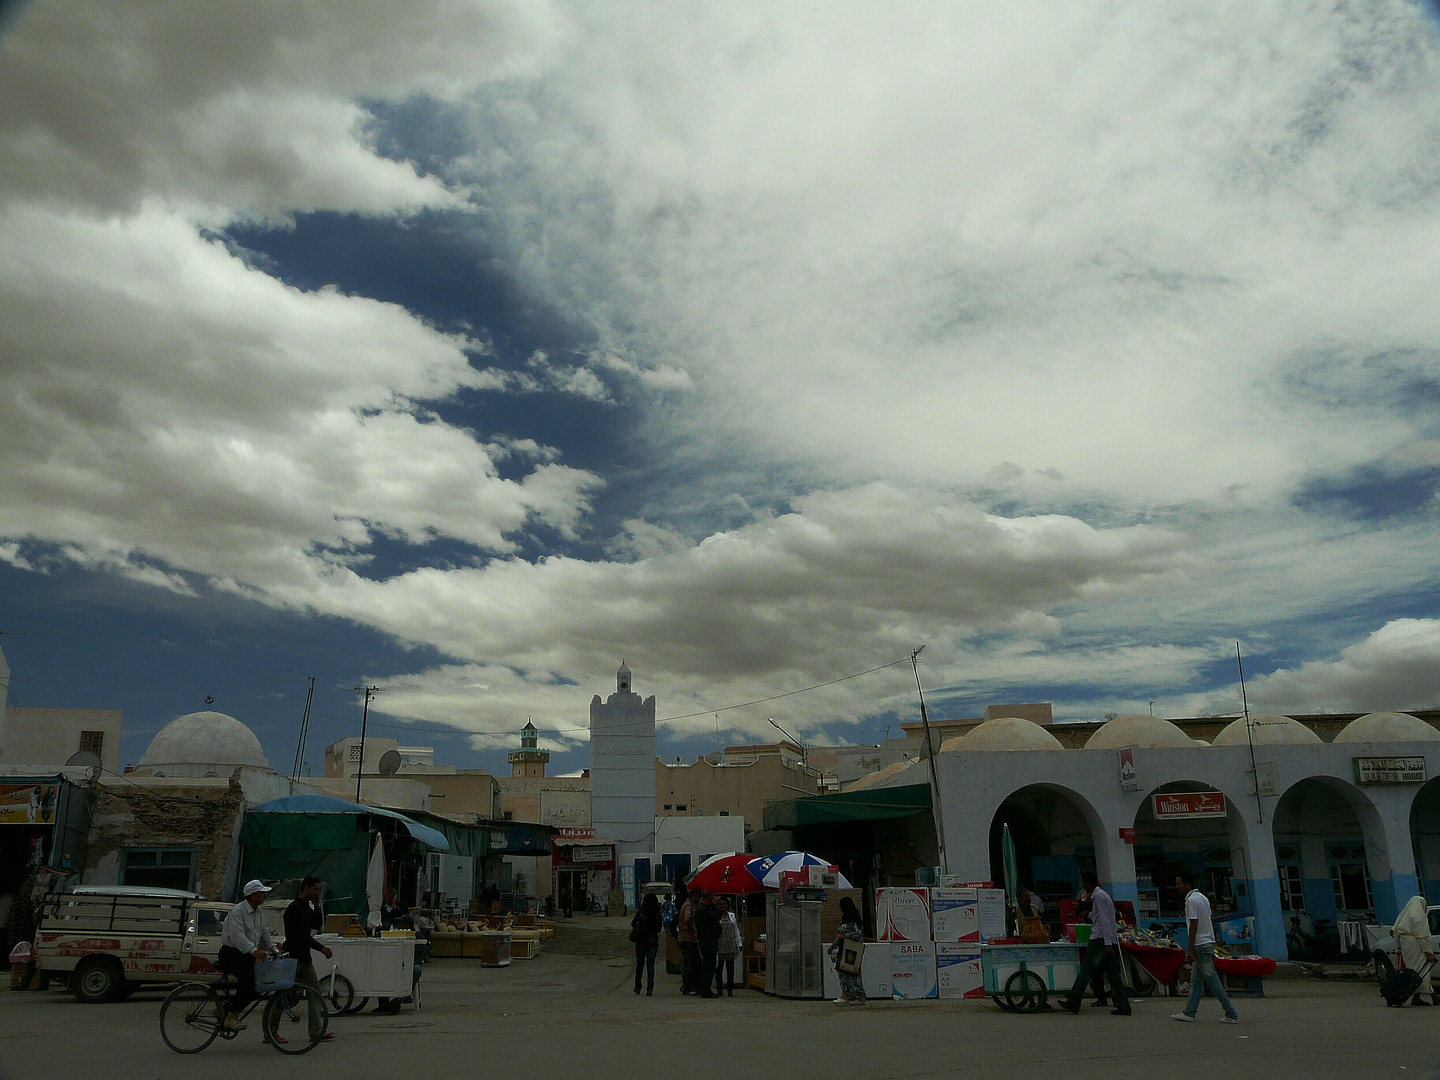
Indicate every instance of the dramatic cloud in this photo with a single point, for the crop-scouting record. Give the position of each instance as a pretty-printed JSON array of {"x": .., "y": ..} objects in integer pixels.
[{"x": 1396, "y": 668}]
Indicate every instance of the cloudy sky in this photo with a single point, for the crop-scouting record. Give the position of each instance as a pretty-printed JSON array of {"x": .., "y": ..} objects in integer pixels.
[{"x": 465, "y": 348}]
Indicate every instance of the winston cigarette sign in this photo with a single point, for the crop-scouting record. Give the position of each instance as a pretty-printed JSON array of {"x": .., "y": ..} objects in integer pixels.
[{"x": 1179, "y": 805}]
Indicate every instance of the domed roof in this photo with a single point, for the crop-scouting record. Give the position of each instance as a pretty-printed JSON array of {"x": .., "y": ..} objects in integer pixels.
[
  {"x": 1387, "y": 727},
  {"x": 201, "y": 742},
  {"x": 1266, "y": 730},
  {"x": 1142, "y": 730},
  {"x": 1006, "y": 733}
]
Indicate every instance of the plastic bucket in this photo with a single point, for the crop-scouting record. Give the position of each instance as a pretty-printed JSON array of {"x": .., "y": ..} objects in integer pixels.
[{"x": 1082, "y": 933}]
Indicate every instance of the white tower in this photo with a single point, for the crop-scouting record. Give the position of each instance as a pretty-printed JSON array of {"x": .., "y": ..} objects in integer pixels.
[{"x": 622, "y": 768}]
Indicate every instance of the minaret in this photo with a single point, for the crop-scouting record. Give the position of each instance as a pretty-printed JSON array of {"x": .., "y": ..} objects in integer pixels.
[
  {"x": 529, "y": 760},
  {"x": 622, "y": 767}
]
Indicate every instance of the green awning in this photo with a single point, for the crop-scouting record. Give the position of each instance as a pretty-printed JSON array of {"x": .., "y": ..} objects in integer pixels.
[
  {"x": 868, "y": 805},
  {"x": 471, "y": 841}
]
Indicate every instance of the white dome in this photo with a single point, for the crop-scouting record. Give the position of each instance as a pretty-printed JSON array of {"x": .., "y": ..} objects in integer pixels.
[
  {"x": 1387, "y": 727},
  {"x": 200, "y": 744},
  {"x": 1144, "y": 731},
  {"x": 1006, "y": 733},
  {"x": 1266, "y": 730}
]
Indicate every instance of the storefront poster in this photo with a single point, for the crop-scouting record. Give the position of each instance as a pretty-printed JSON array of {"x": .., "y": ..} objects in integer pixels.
[
  {"x": 903, "y": 914},
  {"x": 593, "y": 854},
  {"x": 28, "y": 804},
  {"x": 957, "y": 970},
  {"x": 992, "y": 913},
  {"x": 955, "y": 914},
  {"x": 912, "y": 970}
]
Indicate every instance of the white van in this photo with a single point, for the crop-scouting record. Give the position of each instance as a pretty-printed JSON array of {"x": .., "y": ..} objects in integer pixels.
[{"x": 108, "y": 940}]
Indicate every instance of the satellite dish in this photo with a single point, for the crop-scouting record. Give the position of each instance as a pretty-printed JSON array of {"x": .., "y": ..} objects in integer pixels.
[
  {"x": 83, "y": 759},
  {"x": 389, "y": 763}
]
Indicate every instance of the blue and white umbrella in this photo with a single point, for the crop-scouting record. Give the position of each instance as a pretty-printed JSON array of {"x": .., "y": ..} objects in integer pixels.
[{"x": 767, "y": 870}]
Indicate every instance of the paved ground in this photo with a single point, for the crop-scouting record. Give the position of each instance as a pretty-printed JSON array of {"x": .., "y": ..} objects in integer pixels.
[{"x": 571, "y": 1013}]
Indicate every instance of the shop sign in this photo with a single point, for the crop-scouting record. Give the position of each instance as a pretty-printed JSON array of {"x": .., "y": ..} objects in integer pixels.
[
  {"x": 1128, "y": 780},
  {"x": 1182, "y": 805},
  {"x": 597, "y": 853},
  {"x": 573, "y": 832},
  {"x": 1389, "y": 770},
  {"x": 1129, "y": 835},
  {"x": 28, "y": 804}
]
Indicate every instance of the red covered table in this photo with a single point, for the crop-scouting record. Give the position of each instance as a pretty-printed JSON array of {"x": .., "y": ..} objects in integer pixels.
[{"x": 1162, "y": 964}]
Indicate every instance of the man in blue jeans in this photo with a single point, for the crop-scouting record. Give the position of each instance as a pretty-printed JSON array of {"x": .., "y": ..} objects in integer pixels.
[{"x": 1201, "y": 953}]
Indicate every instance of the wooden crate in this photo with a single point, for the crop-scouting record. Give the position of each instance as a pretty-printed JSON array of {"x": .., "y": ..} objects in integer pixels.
[{"x": 525, "y": 944}]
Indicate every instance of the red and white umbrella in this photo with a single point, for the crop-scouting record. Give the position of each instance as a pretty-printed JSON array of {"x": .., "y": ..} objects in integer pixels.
[{"x": 724, "y": 874}]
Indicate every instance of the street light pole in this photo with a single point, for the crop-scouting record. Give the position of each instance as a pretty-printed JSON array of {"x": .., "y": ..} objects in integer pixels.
[
  {"x": 934, "y": 774},
  {"x": 364, "y": 721},
  {"x": 804, "y": 763}
]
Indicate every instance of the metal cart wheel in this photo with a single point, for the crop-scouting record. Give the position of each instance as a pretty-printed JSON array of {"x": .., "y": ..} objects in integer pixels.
[
  {"x": 287, "y": 1019},
  {"x": 1026, "y": 991},
  {"x": 357, "y": 1005},
  {"x": 339, "y": 993},
  {"x": 191, "y": 1017},
  {"x": 1002, "y": 1002}
]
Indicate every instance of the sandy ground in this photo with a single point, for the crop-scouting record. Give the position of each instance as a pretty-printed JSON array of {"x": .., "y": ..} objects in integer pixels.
[{"x": 571, "y": 1012}]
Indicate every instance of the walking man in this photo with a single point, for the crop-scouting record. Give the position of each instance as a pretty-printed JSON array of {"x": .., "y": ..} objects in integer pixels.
[
  {"x": 1103, "y": 952},
  {"x": 1201, "y": 952},
  {"x": 302, "y": 918},
  {"x": 707, "y": 935}
]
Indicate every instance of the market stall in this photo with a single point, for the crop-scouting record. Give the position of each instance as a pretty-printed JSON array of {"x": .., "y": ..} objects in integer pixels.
[
  {"x": 373, "y": 966},
  {"x": 1022, "y": 977}
]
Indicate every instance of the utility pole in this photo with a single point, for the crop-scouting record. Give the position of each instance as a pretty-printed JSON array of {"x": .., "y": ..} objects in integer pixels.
[
  {"x": 939, "y": 812},
  {"x": 1250, "y": 737},
  {"x": 370, "y": 691}
]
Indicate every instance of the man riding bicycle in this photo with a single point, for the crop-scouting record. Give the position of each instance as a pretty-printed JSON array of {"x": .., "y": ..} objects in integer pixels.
[{"x": 244, "y": 940}]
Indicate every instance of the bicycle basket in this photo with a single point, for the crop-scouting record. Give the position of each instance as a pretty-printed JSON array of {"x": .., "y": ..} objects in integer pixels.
[{"x": 275, "y": 974}]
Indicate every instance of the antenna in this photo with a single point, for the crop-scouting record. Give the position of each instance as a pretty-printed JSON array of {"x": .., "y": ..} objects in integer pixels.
[
  {"x": 1249, "y": 735},
  {"x": 304, "y": 731},
  {"x": 930, "y": 754},
  {"x": 389, "y": 763},
  {"x": 369, "y": 691}
]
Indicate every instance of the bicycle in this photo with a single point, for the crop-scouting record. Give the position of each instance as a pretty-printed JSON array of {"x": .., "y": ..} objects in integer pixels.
[{"x": 193, "y": 1015}]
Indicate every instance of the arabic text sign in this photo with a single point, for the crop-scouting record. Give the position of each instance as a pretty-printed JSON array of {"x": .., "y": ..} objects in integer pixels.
[
  {"x": 1389, "y": 770},
  {"x": 1181, "y": 805}
]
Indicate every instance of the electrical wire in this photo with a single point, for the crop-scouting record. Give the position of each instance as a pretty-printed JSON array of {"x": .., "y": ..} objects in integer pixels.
[{"x": 446, "y": 730}]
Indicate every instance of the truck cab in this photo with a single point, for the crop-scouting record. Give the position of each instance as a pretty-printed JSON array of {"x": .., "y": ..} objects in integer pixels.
[{"x": 108, "y": 941}]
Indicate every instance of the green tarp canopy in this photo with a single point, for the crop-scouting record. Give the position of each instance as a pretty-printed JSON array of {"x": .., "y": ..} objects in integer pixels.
[
  {"x": 874, "y": 804},
  {"x": 471, "y": 841}
]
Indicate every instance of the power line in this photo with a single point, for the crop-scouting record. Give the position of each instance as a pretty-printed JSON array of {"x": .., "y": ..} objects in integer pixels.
[{"x": 448, "y": 730}]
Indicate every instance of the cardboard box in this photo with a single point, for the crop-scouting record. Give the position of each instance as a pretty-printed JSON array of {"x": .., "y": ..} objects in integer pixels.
[
  {"x": 902, "y": 914},
  {"x": 875, "y": 969},
  {"x": 992, "y": 913},
  {"x": 912, "y": 970},
  {"x": 955, "y": 914},
  {"x": 957, "y": 970}
]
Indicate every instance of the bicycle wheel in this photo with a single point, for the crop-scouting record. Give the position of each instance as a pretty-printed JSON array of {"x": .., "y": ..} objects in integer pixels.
[
  {"x": 287, "y": 1019},
  {"x": 191, "y": 1018},
  {"x": 339, "y": 993}
]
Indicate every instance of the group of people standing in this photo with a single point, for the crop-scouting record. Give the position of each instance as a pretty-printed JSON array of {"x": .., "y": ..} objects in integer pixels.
[{"x": 707, "y": 931}]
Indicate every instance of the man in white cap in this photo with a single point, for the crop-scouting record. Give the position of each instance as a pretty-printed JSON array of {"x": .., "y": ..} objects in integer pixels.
[{"x": 244, "y": 940}]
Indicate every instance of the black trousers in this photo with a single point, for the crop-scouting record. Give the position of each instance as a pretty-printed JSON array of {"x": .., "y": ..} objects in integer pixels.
[
  {"x": 1099, "y": 958},
  {"x": 725, "y": 973},
  {"x": 242, "y": 967},
  {"x": 708, "y": 949}
]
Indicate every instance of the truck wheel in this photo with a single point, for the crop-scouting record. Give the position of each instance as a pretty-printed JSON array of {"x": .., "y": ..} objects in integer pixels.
[{"x": 97, "y": 979}]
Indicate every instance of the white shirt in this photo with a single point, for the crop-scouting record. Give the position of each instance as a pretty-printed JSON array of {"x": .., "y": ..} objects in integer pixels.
[
  {"x": 245, "y": 929},
  {"x": 1197, "y": 910}
]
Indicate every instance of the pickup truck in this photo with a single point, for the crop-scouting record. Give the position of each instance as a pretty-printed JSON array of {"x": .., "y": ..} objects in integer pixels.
[{"x": 108, "y": 941}]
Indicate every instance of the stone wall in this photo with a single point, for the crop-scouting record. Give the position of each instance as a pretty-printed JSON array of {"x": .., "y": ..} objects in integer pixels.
[{"x": 199, "y": 814}]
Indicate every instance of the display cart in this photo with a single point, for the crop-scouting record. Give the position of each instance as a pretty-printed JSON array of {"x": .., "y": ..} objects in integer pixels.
[
  {"x": 1021, "y": 977},
  {"x": 366, "y": 967}
]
